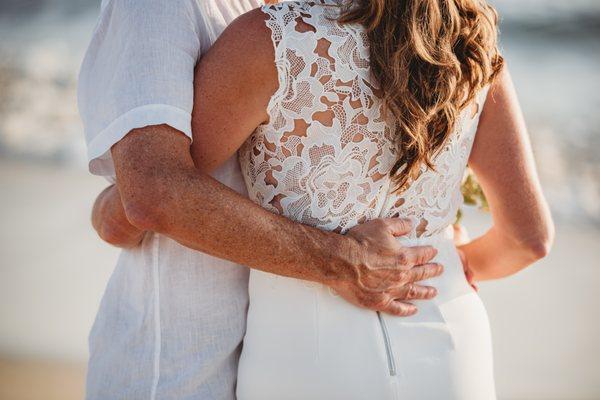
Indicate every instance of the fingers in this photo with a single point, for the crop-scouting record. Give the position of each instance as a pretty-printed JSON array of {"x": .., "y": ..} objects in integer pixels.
[
  {"x": 418, "y": 255},
  {"x": 390, "y": 279},
  {"x": 471, "y": 278},
  {"x": 425, "y": 271},
  {"x": 400, "y": 309},
  {"x": 398, "y": 226},
  {"x": 413, "y": 291}
]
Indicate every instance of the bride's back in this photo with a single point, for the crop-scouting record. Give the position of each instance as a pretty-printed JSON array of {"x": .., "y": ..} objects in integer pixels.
[{"x": 325, "y": 156}]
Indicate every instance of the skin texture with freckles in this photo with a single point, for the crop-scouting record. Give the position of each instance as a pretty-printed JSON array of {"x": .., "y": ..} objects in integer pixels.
[
  {"x": 365, "y": 272},
  {"x": 522, "y": 231},
  {"x": 164, "y": 188}
]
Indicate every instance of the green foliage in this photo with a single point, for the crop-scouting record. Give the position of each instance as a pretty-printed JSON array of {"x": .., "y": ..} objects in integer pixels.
[{"x": 472, "y": 194}]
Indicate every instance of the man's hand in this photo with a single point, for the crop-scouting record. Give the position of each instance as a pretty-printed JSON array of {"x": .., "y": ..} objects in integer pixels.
[
  {"x": 110, "y": 221},
  {"x": 386, "y": 273},
  {"x": 163, "y": 191}
]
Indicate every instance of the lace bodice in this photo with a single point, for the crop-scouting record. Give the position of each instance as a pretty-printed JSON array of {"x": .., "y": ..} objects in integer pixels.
[{"x": 324, "y": 157}]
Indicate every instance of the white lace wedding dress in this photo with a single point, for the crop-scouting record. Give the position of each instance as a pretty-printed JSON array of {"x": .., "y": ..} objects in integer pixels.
[{"x": 324, "y": 160}]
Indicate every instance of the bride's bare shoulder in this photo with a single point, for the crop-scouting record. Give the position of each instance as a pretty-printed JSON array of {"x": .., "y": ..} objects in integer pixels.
[
  {"x": 245, "y": 46},
  {"x": 248, "y": 35},
  {"x": 233, "y": 84},
  {"x": 243, "y": 56}
]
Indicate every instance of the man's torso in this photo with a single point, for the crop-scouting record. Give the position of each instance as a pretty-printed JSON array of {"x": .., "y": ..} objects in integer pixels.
[{"x": 172, "y": 319}]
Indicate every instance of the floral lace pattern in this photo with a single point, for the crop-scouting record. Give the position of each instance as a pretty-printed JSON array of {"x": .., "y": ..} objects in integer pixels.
[{"x": 324, "y": 157}]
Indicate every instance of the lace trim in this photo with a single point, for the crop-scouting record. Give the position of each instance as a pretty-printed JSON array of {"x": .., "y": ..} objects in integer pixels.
[{"x": 324, "y": 157}]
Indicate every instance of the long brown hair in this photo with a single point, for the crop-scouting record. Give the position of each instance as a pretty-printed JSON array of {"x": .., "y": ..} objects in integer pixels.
[{"x": 431, "y": 57}]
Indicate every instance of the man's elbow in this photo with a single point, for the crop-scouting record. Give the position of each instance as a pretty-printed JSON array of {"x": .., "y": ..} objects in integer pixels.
[
  {"x": 143, "y": 208},
  {"x": 148, "y": 178},
  {"x": 118, "y": 238}
]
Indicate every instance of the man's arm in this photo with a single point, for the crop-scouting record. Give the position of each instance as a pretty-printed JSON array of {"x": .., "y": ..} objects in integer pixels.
[
  {"x": 163, "y": 191},
  {"x": 110, "y": 221}
]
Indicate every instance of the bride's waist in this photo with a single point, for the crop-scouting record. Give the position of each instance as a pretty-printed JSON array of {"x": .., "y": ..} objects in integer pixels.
[{"x": 450, "y": 284}]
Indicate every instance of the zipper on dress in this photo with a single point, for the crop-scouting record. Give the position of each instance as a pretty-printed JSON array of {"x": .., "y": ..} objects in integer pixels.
[{"x": 387, "y": 344}]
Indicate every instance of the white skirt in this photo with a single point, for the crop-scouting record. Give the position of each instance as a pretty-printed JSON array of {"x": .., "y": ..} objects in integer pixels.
[{"x": 304, "y": 342}]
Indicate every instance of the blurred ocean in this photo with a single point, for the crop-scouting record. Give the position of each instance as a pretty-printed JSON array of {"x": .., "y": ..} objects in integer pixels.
[{"x": 552, "y": 48}]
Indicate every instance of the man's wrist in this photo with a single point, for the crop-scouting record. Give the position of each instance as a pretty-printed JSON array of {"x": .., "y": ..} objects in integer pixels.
[{"x": 345, "y": 253}]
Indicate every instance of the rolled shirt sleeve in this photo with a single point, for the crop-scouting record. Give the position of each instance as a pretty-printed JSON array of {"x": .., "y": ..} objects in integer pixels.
[{"x": 138, "y": 71}]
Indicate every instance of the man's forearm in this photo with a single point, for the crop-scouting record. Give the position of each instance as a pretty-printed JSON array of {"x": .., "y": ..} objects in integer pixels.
[
  {"x": 163, "y": 191},
  {"x": 212, "y": 218},
  {"x": 168, "y": 195}
]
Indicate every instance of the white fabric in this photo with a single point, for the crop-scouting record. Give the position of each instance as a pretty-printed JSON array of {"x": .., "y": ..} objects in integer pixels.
[
  {"x": 172, "y": 319},
  {"x": 324, "y": 159}
]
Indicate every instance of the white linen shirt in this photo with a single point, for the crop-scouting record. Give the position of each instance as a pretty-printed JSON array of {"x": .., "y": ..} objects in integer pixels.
[{"x": 171, "y": 321}]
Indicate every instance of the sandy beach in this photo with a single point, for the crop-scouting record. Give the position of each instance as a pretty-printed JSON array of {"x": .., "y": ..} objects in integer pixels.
[{"x": 53, "y": 271}]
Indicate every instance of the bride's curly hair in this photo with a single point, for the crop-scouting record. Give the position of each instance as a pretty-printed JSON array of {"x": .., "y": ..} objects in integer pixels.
[{"x": 431, "y": 58}]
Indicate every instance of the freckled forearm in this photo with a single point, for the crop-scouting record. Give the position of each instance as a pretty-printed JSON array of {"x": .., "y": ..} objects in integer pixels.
[
  {"x": 205, "y": 215},
  {"x": 163, "y": 191}
]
